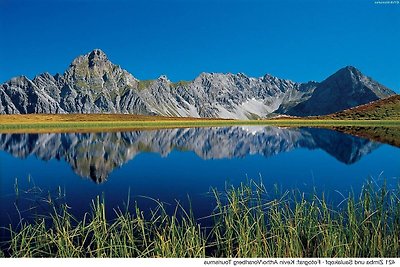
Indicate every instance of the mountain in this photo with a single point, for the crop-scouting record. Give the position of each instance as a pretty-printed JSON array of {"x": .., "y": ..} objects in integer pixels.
[
  {"x": 92, "y": 84},
  {"x": 346, "y": 88},
  {"x": 96, "y": 155}
]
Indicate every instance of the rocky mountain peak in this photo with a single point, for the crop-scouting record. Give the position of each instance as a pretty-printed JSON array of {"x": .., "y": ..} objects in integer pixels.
[
  {"x": 242, "y": 75},
  {"x": 268, "y": 77},
  {"x": 96, "y": 56},
  {"x": 44, "y": 75},
  {"x": 344, "y": 89},
  {"x": 20, "y": 80},
  {"x": 163, "y": 78},
  {"x": 348, "y": 73},
  {"x": 351, "y": 69}
]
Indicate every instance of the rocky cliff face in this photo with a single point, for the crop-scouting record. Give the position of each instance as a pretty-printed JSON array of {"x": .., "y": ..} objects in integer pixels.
[
  {"x": 96, "y": 155},
  {"x": 92, "y": 84}
]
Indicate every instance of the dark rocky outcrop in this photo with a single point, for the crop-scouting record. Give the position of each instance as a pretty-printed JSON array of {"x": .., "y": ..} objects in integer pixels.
[{"x": 347, "y": 88}]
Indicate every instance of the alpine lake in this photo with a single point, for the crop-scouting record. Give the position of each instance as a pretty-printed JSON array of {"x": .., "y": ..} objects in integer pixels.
[{"x": 182, "y": 166}]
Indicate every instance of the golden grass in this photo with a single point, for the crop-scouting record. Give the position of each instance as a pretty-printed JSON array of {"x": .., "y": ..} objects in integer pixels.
[
  {"x": 41, "y": 123},
  {"x": 57, "y": 118},
  {"x": 387, "y": 108}
]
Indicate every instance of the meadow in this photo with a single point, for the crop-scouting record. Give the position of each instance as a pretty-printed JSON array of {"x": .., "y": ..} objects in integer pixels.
[{"x": 37, "y": 123}]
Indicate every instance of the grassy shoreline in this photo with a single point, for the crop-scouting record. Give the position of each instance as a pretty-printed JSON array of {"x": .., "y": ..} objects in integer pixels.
[
  {"x": 104, "y": 122},
  {"x": 246, "y": 223}
]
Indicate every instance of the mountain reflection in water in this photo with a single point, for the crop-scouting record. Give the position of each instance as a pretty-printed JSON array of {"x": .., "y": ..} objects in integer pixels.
[{"x": 96, "y": 155}]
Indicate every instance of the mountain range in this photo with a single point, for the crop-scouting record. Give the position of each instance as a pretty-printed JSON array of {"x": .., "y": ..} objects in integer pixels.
[
  {"x": 96, "y": 155},
  {"x": 93, "y": 84}
]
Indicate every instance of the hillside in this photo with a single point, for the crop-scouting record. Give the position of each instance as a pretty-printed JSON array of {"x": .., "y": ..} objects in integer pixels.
[{"x": 383, "y": 109}]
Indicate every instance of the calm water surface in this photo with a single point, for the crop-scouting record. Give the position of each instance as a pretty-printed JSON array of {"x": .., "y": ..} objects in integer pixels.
[{"x": 172, "y": 164}]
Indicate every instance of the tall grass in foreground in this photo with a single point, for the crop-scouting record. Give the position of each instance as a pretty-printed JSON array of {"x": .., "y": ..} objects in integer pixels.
[{"x": 245, "y": 224}]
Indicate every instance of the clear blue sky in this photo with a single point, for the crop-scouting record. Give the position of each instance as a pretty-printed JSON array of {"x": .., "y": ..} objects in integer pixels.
[{"x": 299, "y": 40}]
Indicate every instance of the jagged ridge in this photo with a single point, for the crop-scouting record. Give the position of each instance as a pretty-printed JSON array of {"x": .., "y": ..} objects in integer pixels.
[{"x": 92, "y": 84}]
